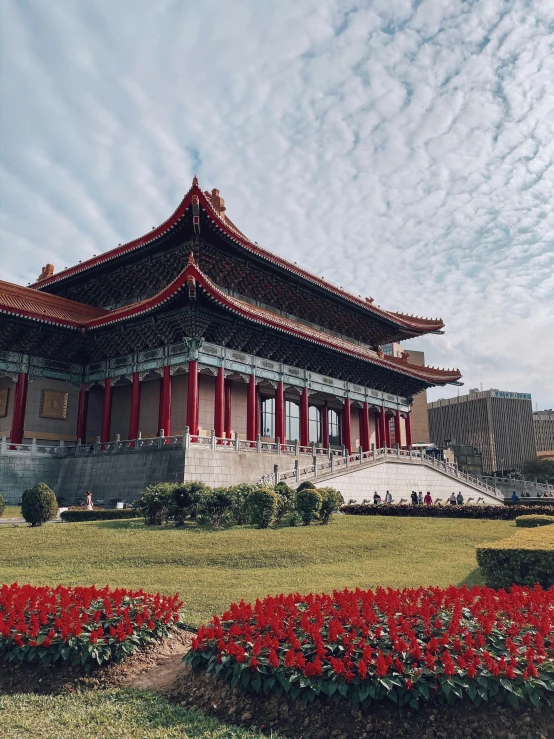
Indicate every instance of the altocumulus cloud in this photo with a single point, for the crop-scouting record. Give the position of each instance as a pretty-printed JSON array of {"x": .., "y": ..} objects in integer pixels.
[{"x": 402, "y": 149}]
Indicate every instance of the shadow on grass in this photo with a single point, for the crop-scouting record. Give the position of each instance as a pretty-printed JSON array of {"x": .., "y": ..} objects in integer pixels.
[{"x": 475, "y": 577}]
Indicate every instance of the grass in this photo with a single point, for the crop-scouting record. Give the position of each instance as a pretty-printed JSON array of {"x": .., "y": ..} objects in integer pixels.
[
  {"x": 108, "y": 714},
  {"x": 11, "y": 511},
  {"x": 210, "y": 569}
]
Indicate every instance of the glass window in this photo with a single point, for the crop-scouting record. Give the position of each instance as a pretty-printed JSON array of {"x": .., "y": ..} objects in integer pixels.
[
  {"x": 334, "y": 427},
  {"x": 315, "y": 424},
  {"x": 292, "y": 420},
  {"x": 268, "y": 417}
]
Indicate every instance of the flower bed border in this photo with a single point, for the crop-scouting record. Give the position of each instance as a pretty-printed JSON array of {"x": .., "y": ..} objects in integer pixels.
[{"x": 492, "y": 512}]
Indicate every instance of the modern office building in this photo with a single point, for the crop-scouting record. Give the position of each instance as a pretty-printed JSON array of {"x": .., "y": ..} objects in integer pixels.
[
  {"x": 543, "y": 423},
  {"x": 498, "y": 423}
]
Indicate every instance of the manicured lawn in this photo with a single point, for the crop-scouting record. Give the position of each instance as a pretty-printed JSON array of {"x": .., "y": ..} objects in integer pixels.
[
  {"x": 11, "y": 511},
  {"x": 111, "y": 714},
  {"x": 211, "y": 569}
]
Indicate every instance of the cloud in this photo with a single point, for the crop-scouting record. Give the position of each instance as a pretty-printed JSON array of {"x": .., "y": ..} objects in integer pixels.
[{"x": 403, "y": 150}]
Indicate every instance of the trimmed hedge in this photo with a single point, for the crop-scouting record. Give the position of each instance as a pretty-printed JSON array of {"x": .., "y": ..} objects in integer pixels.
[
  {"x": 495, "y": 512},
  {"x": 107, "y": 514},
  {"x": 524, "y": 559},
  {"x": 531, "y": 521}
]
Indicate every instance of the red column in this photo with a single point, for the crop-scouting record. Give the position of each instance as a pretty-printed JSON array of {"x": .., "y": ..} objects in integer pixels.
[
  {"x": 19, "y": 405},
  {"x": 304, "y": 418},
  {"x": 106, "y": 411},
  {"x": 397, "y": 431},
  {"x": 135, "y": 407},
  {"x": 382, "y": 428},
  {"x": 408, "y": 423},
  {"x": 164, "y": 415},
  {"x": 81, "y": 429},
  {"x": 251, "y": 407},
  {"x": 280, "y": 413},
  {"x": 219, "y": 405},
  {"x": 325, "y": 426},
  {"x": 192, "y": 397},
  {"x": 346, "y": 427},
  {"x": 387, "y": 430},
  {"x": 364, "y": 426},
  {"x": 228, "y": 386}
]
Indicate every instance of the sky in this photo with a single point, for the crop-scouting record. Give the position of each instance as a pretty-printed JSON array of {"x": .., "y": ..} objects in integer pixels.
[{"x": 402, "y": 150}]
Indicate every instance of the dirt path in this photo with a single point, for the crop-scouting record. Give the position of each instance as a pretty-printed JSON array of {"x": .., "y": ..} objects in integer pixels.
[{"x": 162, "y": 674}]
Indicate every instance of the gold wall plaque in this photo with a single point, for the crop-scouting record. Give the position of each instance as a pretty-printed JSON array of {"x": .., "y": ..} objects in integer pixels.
[
  {"x": 53, "y": 404},
  {"x": 4, "y": 392}
]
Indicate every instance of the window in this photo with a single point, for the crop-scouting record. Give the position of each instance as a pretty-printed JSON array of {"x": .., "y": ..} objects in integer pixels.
[
  {"x": 292, "y": 421},
  {"x": 334, "y": 427},
  {"x": 268, "y": 417},
  {"x": 315, "y": 424}
]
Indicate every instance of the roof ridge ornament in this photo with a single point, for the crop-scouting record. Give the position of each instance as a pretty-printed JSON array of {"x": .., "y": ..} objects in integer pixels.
[
  {"x": 195, "y": 181},
  {"x": 216, "y": 201},
  {"x": 47, "y": 271},
  {"x": 192, "y": 261}
]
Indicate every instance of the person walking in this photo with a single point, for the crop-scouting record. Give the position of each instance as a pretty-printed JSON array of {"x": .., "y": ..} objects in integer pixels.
[
  {"x": 388, "y": 498},
  {"x": 515, "y": 497},
  {"x": 376, "y": 498},
  {"x": 452, "y": 499},
  {"x": 420, "y": 498},
  {"x": 88, "y": 500},
  {"x": 460, "y": 498},
  {"x": 414, "y": 497},
  {"x": 428, "y": 500}
]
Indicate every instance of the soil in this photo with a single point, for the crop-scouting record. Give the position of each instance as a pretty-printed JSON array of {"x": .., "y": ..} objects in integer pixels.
[{"x": 160, "y": 668}]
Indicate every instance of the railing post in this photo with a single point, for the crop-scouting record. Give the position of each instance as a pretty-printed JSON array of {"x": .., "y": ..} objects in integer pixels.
[
  {"x": 314, "y": 460},
  {"x": 258, "y": 443},
  {"x": 397, "y": 450},
  {"x": 117, "y": 443},
  {"x": 361, "y": 453},
  {"x": 212, "y": 440},
  {"x": 4, "y": 447},
  {"x": 374, "y": 450},
  {"x": 138, "y": 440},
  {"x": 276, "y": 473},
  {"x": 312, "y": 445},
  {"x": 329, "y": 452},
  {"x": 343, "y": 451},
  {"x": 34, "y": 447},
  {"x": 161, "y": 438},
  {"x": 278, "y": 440},
  {"x": 333, "y": 463},
  {"x": 237, "y": 442},
  {"x": 297, "y": 470},
  {"x": 297, "y": 447},
  {"x": 78, "y": 448},
  {"x": 347, "y": 458},
  {"x": 96, "y": 446},
  {"x": 187, "y": 437}
]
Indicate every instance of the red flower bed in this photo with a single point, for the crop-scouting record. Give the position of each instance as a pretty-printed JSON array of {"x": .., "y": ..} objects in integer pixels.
[
  {"x": 80, "y": 625},
  {"x": 410, "y": 646}
]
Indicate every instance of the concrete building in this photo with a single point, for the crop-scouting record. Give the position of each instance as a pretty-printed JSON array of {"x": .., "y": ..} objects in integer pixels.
[
  {"x": 543, "y": 424},
  {"x": 498, "y": 423}
]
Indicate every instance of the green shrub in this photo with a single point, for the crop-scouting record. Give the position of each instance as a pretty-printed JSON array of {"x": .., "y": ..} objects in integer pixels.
[
  {"x": 239, "y": 509},
  {"x": 2, "y": 504},
  {"x": 331, "y": 501},
  {"x": 308, "y": 504},
  {"x": 38, "y": 504},
  {"x": 105, "y": 514},
  {"x": 291, "y": 519},
  {"x": 531, "y": 521},
  {"x": 186, "y": 498},
  {"x": 493, "y": 512},
  {"x": 286, "y": 500},
  {"x": 157, "y": 503},
  {"x": 262, "y": 505},
  {"x": 215, "y": 504},
  {"x": 524, "y": 559},
  {"x": 305, "y": 486}
]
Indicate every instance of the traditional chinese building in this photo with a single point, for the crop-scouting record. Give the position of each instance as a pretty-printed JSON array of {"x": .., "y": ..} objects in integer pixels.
[{"x": 194, "y": 325}]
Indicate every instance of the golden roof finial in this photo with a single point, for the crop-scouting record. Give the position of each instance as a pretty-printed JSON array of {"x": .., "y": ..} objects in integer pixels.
[
  {"x": 195, "y": 181},
  {"x": 192, "y": 261},
  {"x": 47, "y": 271}
]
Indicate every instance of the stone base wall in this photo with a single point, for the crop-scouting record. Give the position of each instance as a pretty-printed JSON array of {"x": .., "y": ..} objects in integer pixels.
[{"x": 400, "y": 479}]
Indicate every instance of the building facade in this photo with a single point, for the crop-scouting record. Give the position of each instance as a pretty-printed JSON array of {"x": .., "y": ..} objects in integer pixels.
[
  {"x": 543, "y": 423},
  {"x": 498, "y": 423},
  {"x": 195, "y": 326}
]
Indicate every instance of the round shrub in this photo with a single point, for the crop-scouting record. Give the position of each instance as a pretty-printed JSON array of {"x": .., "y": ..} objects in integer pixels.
[
  {"x": 262, "y": 504},
  {"x": 186, "y": 498},
  {"x": 308, "y": 504},
  {"x": 286, "y": 499},
  {"x": 38, "y": 504},
  {"x": 307, "y": 485},
  {"x": 331, "y": 501},
  {"x": 2, "y": 504},
  {"x": 215, "y": 504},
  {"x": 157, "y": 504},
  {"x": 533, "y": 520},
  {"x": 239, "y": 509}
]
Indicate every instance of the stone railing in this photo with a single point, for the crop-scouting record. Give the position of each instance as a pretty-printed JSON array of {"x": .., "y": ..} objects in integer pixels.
[{"x": 325, "y": 467}]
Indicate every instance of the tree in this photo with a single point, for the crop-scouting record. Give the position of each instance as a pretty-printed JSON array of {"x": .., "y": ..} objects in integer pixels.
[
  {"x": 262, "y": 504},
  {"x": 308, "y": 503},
  {"x": 331, "y": 501}
]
